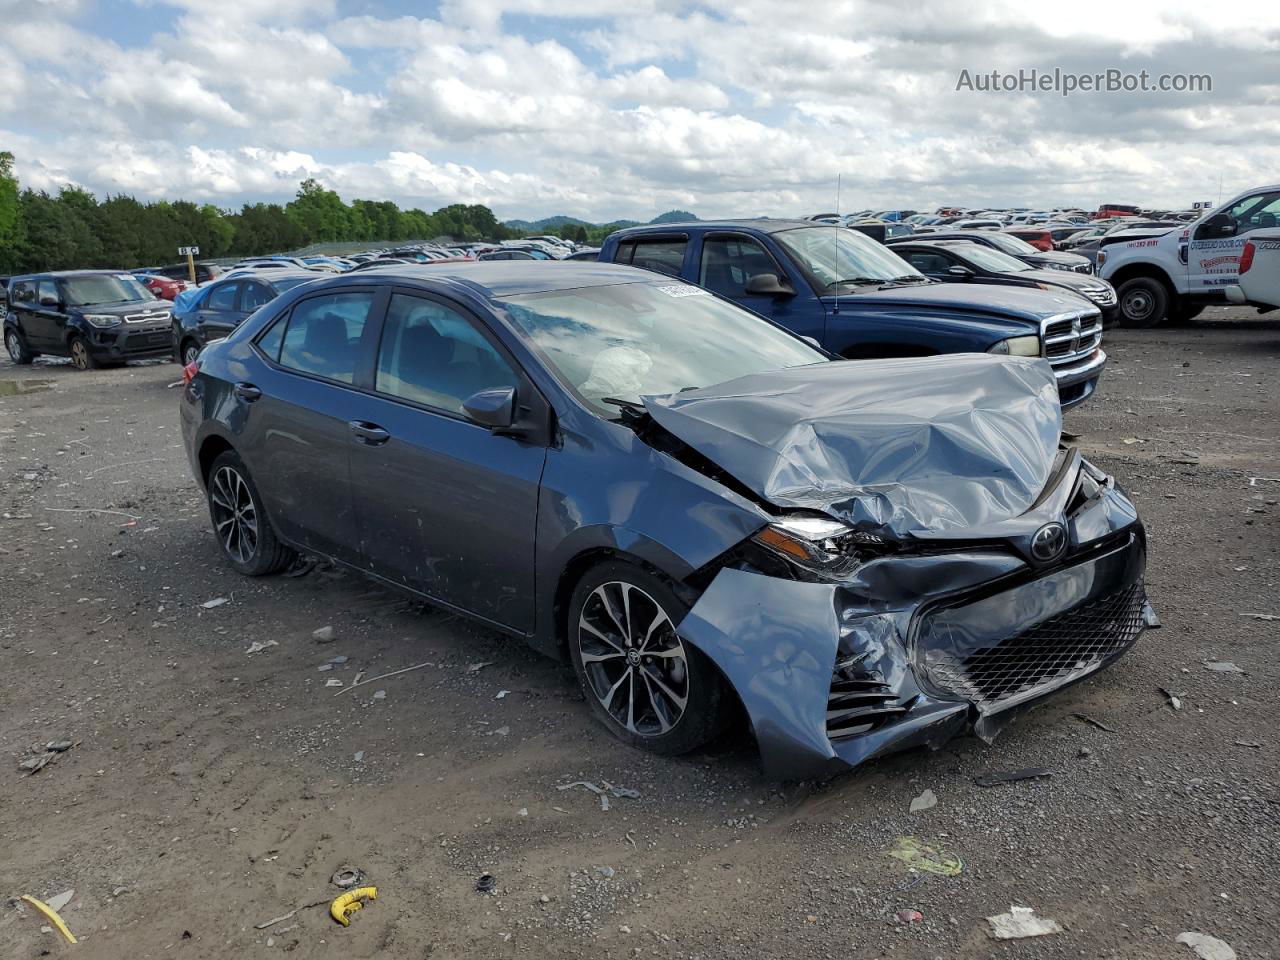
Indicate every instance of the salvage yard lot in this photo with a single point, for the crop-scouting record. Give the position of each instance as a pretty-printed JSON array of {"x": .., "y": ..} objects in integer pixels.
[{"x": 210, "y": 789}]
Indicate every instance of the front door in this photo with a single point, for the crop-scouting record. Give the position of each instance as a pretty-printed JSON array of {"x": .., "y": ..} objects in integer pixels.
[
  {"x": 1213, "y": 252},
  {"x": 727, "y": 261},
  {"x": 445, "y": 506}
]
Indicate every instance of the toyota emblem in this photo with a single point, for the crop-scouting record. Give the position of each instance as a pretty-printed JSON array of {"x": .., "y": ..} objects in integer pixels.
[{"x": 1049, "y": 542}]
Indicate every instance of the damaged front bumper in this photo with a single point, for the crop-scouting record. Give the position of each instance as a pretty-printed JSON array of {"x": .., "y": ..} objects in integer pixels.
[{"x": 915, "y": 649}]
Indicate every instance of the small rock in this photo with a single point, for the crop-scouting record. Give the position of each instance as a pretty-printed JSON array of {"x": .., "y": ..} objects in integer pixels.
[
  {"x": 215, "y": 602},
  {"x": 544, "y": 899},
  {"x": 1222, "y": 666},
  {"x": 522, "y": 812},
  {"x": 323, "y": 635},
  {"x": 624, "y": 929},
  {"x": 359, "y": 756},
  {"x": 379, "y": 694},
  {"x": 119, "y": 890},
  {"x": 1206, "y": 947},
  {"x": 605, "y": 872},
  {"x": 1085, "y": 752},
  {"x": 58, "y": 746},
  {"x": 324, "y": 667},
  {"x": 910, "y": 916},
  {"x": 925, "y": 801}
]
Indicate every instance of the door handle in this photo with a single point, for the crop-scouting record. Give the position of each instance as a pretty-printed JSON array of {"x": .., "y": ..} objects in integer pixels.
[
  {"x": 247, "y": 392},
  {"x": 369, "y": 433}
]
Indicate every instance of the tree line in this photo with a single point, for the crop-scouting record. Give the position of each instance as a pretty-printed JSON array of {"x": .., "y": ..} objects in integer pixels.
[{"x": 74, "y": 230}]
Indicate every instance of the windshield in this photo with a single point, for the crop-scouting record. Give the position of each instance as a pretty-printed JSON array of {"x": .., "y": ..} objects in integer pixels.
[
  {"x": 835, "y": 255},
  {"x": 97, "y": 289},
  {"x": 630, "y": 340},
  {"x": 1011, "y": 244},
  {"x": 990, "y": 259}
]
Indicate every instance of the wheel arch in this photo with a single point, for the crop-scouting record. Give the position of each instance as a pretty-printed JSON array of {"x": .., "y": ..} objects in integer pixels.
[
  {"x": 1145, "y": 269},
  {"x": 211, "y": 447}
]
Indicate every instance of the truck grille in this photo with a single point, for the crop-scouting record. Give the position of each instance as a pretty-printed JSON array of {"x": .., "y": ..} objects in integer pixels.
[
  {"x": 1067, "y": 339},
  {"x": 1048, "y": 655}
]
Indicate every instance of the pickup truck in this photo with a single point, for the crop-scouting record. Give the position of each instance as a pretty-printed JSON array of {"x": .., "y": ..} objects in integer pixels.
[
  {"x": 1171, "y": 274},
  {"x": 858, "y": 299}
]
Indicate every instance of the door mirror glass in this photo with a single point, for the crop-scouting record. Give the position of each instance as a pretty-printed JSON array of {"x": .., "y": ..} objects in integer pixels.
[
  {"x": 963, "y": 273},
  {"x": 768, "y": 285},
  {"x": 494, "y": 408}
]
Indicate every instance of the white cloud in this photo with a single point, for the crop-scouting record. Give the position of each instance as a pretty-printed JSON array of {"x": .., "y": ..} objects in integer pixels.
[{"x": 605, "y": 108}]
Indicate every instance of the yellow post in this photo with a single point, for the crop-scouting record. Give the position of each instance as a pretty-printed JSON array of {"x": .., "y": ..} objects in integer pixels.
[{"x": 191, "y": 266}]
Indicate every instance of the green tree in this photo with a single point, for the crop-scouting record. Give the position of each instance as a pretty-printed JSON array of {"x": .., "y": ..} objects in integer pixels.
[{"x": 319, "y": 214}]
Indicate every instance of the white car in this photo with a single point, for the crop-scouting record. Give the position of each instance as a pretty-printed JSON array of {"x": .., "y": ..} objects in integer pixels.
[{"x": 1259, "y": 278}]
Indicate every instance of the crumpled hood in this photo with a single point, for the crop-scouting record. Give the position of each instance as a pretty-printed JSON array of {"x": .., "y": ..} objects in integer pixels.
[{"x": 897, "y": 447}]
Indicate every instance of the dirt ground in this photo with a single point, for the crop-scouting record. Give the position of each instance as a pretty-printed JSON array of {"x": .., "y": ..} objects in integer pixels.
[{"x": 209, "y": 788}]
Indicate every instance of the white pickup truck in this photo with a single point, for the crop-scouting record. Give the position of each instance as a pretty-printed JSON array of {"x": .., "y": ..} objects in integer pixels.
[
  {"x": 1259, "y": 282},
  {"x": 1171, "y": 274}
]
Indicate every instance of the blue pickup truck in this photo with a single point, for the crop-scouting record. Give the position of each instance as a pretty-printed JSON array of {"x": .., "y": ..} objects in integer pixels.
[{"x": 860, "y": 300}]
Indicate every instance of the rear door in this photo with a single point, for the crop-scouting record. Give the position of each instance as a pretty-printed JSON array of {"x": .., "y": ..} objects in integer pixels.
[
  {"x": 219, "y": 314},
  {"x": 253, "y": 294},
  {"x": 46, "y": 320},
  {"x": 445, "y": 506},
  {"x": 22, "y": 304},
  {"x": 298, "y": 403}
]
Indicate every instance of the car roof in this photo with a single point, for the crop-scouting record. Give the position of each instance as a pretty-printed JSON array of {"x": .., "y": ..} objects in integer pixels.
[
  {"x": 59, "y": 274},
  {"x": 763, "y": 224},
  {"x": 505, "y": 278}
]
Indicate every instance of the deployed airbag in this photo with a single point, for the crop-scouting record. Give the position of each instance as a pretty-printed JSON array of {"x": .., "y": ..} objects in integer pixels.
[{"x": 901, "y": 447}]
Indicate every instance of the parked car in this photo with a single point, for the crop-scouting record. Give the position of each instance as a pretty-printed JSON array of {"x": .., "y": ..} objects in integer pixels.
[
  {"x": 161, "y": 286},
  {"x": 1014, "y": 247},
  {"x": 586, "y": 253},
  {"x": 857, "y": 298},
  {"x": 179, "y": 271},
  {"x": 966, "y": 262},
  {"x": 1116, "y": 210},
  {"x": 694, "y": 506},
  {"x": 513, "y": 255},
  {"x": 978, "y": 224},
  {"x": 222, "y": 306},
  {"x": 95, "y": 317}
]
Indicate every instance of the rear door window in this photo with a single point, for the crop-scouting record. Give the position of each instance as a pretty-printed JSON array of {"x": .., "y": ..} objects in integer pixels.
[
  {"x": 223, "y": 297},
  {"x": 323, "y": 334},
  {"x": 254, "y": 296},
  {"x": 660, "y": 254}
]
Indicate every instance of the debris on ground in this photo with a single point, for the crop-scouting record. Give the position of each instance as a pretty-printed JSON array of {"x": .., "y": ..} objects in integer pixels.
[
  {"x": 351, "y": 901},
  {"x": 1262, "y": 616},
  {"x": 379, "y": 694},
  {"x": 347, "y": 876},
  {"x": 215, "y": 602},
  {"x": 477, "y": 667},
  {"x": 41, "y": 759},
  {"x": 301, "y": 567},
  {"x": 1084, "y": 718},
  {"x": 359, "y": 757},
  {"x": 1249, "y": 743},
  {"x": 323, "y": 635},
  {"x": 622, "y": 793},
  {"x": 333, "y": 682},
  {"x": 995, "y": 778},
  {"x": 259, "y": 645},
  {"x": 1173, "y": 699},
  {"x": 61, "y": 900},
  {"x": 486, "y": 883},
  {"x": 1206, "y": 947},
  {"x": 921, "y": 856},
  {"x": 1222, "y": 666},
  {"x": 502, "y": 694},
  {"x": 925, "y": 801},
  {"x": 288, "y": 916},
  {"x": 910, "y": 916},
  {"x": 1020, "y": 923},
  {"x": 394, "y": 673},
  {"x": 606, "y": 872},
  {"x": 52, "y": 916}
]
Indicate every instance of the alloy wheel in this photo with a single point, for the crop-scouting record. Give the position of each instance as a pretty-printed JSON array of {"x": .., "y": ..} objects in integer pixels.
[
  {"x": 235, "y": 517},
  {"x": 189, "y": 354},
  {"x": 14, "y": 346},
  {"x": 634, "y": 661},
  {"x": 80, "y": 355}
]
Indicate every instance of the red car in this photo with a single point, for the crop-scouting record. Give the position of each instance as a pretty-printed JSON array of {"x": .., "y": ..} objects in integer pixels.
[
  {"x": 162, "y": 287},
  {"x": 1038, "y": 237}
]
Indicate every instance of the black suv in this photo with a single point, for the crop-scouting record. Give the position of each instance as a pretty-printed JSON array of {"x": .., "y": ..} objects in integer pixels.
[{"x": 95, "y": 317}]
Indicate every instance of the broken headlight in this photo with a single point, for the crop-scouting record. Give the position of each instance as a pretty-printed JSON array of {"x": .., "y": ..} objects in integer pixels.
[{"x": 825, "y": 548}]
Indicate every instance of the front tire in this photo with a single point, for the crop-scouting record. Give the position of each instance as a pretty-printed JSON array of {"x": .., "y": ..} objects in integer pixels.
[
  {"x": 81, "y": 358},
  {"x": 650, "y": 688},
  {"x": 240, "y": 524},
  {"x": 1144, "y": 302},
  {"x": 17, "y": 348}
]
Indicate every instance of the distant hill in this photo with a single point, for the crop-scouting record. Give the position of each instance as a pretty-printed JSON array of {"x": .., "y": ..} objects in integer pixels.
[{"x": 555, "y": 223}]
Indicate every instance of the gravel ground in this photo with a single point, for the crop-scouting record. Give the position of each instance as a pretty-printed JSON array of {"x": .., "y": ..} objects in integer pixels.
[{"x": 209, "y": 788}]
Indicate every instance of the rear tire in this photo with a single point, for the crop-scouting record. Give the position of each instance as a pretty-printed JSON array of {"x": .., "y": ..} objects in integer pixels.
[
  {"x": 642, "y": 681},
  {"x": 81, "y": 358},
  {"x": 17, "y": 348},
  {"x": 239, "y": 522},
  {"x": 190, "y": 350},
  {"x": 1144, "y": 303}
]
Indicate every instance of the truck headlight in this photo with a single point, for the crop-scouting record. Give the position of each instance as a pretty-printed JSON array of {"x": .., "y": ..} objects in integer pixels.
[
  {"x": 1017, "y": 347},
  {"x": 101, "y": 320}
]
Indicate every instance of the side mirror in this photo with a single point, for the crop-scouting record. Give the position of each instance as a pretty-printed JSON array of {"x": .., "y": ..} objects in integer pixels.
[
  {"x": 494, "y": 408},
  {"x": 49, "y": 302},
  {"x": 1219, "y": 225},
  {"x": 959, "y": 272},
  {"x": 768, "y": 285}
]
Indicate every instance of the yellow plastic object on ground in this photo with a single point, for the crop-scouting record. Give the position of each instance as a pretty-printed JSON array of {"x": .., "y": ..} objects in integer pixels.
[
  {"x": 351, "y": 901},
  {"x": 922, "y": 856},
  {"x": 53, "y": 917}
]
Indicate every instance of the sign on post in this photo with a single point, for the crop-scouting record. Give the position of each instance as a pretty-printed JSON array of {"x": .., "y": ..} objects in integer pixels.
[{"x": 190, "y": 253}]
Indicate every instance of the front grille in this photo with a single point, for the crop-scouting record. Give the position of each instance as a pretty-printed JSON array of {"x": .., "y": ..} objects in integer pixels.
[
  {"x": 157, "y": 317},
  {"x": 859, "y": 701},
  {"x": 1048, "y": 655},
  {"x": 1067, "y": 339}
]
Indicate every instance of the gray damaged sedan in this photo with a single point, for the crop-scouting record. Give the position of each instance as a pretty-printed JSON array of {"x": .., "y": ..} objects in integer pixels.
[{"x": 712, "y": 520}]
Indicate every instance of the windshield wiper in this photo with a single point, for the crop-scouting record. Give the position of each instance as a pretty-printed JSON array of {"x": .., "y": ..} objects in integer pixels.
[
  {"x": 631, "y": 411},
  {"x": 857, "y": 280}
]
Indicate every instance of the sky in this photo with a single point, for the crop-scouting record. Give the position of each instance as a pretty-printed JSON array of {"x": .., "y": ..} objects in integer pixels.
[{"x": 605, "y": 109}]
